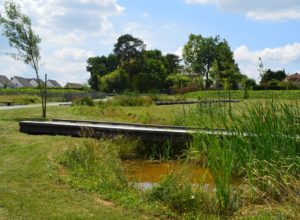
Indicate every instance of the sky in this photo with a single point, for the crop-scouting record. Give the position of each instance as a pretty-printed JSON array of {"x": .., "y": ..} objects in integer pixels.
[{"x": 74, "y": 30}]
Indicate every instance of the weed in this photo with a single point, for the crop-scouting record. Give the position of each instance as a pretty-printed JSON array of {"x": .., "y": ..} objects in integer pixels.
[
  {"x": 123, "y": 100},
  {"x": 86, "y": 101},
  {"x": 94, "y": 166}
]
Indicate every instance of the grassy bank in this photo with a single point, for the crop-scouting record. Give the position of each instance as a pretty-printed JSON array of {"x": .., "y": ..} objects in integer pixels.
[
  {"x": 239, "y": 94},
  {"x": 20, "y": 99},
  {"x": 53, "y": 95},
  {"x": 65, "y": 177}
]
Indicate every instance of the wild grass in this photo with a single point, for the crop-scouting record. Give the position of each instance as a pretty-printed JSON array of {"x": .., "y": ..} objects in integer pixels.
[
  {"x": 262, "y": 156},
  {"x": 86, "y": 101},
  {"x": 94, "y": 166},
  {"x": 239, "y": 94},
  {"x": 133, "y": 100},
  {"x": 20, "y": 99},
  {"x": 162, "y": 97},
  {"x": 262, "y": 148}
]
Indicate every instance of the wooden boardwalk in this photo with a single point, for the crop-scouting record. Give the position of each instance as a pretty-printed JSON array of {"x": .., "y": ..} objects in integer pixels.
[{"x": 148, "y": 133}]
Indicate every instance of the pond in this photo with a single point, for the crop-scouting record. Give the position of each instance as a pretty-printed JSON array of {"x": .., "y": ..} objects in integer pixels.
[{"x": 148, "y": 173}]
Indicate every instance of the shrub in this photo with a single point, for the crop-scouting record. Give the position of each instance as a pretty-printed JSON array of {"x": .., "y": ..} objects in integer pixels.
[{"x": 116, "y": 81}]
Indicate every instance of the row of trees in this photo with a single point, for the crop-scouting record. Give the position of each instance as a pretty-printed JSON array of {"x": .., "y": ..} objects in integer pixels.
[{"x": 132, "y": 67}]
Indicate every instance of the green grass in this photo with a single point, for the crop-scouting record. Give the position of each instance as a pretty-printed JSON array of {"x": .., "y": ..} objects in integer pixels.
[
  {"x": 239, "y": 94},
  {"x": 20, "y": 99},
  {"x": 64, "y": 177},
  {"x": 264, "y": 151},
  {"x": 30, "y": 190}
]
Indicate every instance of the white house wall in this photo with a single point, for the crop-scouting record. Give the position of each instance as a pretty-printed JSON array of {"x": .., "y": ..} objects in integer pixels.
[
  {"x": 17, "y": 83},
  {"x": 33, "y": 83},
  {"x": 49, "y": 84}
]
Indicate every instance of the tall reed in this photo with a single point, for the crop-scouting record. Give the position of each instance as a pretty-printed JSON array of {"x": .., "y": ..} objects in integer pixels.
[{"x": 262, "y": 145}]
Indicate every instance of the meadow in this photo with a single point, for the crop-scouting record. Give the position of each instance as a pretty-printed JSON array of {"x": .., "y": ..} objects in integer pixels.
[{"x": 65, "y": 177}]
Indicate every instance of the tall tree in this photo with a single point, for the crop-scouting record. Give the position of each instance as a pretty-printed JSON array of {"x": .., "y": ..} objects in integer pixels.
[
  {"x": 224, "y": 67},
  {"x": 128, "y": 50},
  {"x": 199, "y": 54},
  {"x": 172, "y": 63},
  {"x": 17, "y": 28},
  {"x": 153, "y": 72}
]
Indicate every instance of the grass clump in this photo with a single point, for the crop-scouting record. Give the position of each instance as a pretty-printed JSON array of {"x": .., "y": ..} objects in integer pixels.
[
  {"x": 125, "y": 100},
  {"x": 162, "y": 97},
  {"x": 86, "y": 101},
  {"x": 20, "y": 99},
  {"x": 240, "y": 94},
  {"x": 94, "y": 166},
  {"x": 262, "y": 148}
]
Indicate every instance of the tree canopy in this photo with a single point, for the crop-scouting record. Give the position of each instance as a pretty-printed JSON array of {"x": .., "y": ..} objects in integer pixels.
[
  {"x": 210, "y": 56},
  {"x": 128, "y": 48},
  {"x": 269, "y": 75},
  {"x": 152, "y": 70}
]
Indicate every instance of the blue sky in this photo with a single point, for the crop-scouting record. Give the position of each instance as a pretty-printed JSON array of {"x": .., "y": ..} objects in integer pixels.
[{"x": 72, "y": 31}]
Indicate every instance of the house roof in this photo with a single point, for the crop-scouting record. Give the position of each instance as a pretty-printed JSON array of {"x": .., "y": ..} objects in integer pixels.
[
  {"x": 74, "y": 85},
  {"x": 293, "y": 77},
  {"x": 24, "y": 81},
  {"x": 35, "y": 79},
  {"x": 4, "y": 80},
  {"x": 54, "y": 83}
]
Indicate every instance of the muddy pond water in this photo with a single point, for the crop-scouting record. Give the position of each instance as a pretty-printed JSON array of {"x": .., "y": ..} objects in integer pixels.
[{"x": 148, "y": 173}]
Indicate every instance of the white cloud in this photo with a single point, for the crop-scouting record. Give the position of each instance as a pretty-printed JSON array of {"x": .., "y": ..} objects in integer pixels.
[
  {"x": 10, "y": 68},
  {"x": 274, "y": 58},
  {"x": 70, "y": 32},
  {"x": 146, "y": 15},
  {"x": 268, "y": 10},
  {"x": 72, "y": 54}
]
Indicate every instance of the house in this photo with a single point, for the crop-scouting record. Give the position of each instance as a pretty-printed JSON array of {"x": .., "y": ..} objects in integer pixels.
[
  {"x": 73, "y": 85},
  {"x": 293, "y": 78},
  {"x": 4, "y": 82},
  {"x": 20, "y": 82},
  {"x": 34, "y": 82},
  {"x": 53, "y": 84}
]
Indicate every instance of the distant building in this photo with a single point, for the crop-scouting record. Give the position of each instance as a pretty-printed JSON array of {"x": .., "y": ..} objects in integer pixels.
[
  {"x": 73, "y": 85},
  {"x": 293, "y": 78},
  {"x": 53, "y": 84},
  {"x": 34, "y": 82},
  {"x": 20, "y": 82},
  {"x": 4, "y": 82}
]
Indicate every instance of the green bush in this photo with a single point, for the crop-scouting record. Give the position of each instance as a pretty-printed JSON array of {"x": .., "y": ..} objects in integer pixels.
[{"x": 116, "y": 81}]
